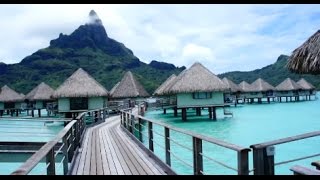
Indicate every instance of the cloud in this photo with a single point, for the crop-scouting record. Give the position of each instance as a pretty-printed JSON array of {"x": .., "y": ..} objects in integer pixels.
[{"x": 222, "y": 37}]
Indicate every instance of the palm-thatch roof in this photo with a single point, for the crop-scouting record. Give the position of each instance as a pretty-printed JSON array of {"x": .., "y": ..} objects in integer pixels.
[
  {"x": 80, "y": 84},
  {"x": 22, "y": 95},
  {"x": 167, "y": 83},
  {"x": 305, "y": 84},
  {"x": 288, "y": 85},
  {"x": 128, "y": 87},
  {"x": 261, "y": 85},
  {"x": 306, "y": 58},
  {"x": 196, "y": 79},
  {"x": 9, "y": 95},
  {"x": 41, "y": 92},
  {"x": 114, "y": 88},
  {"x": 231, "y": 85},
  {"x": 245, "y": 87}
]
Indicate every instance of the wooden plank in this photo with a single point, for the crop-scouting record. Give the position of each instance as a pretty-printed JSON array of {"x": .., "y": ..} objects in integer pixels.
[
  {"x": 104, "y": 160},
  {"x": 93, "y": 163},
  {"x": 98, "y": 153},
  {"x": 111, "y": 164},
  {"x": 83, "y": 153},
  {"x": 87, "y": 161}
]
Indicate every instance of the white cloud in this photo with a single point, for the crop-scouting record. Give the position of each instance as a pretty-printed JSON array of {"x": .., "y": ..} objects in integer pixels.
[{"x": 222, "y": 37}]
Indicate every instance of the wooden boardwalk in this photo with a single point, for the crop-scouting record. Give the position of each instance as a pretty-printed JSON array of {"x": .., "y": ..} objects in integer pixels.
[{"x": 108, "y": 150}]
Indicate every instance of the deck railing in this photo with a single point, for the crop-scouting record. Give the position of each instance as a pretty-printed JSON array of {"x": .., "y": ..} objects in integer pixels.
[
  {"x": 129, "y": 121},
  {"x": 70, "y": 138},
  {"x": 263, "y": 154}
]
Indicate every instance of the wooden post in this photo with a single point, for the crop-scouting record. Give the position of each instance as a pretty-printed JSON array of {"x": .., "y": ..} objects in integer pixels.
[
  {"x": 290, "y": 98},
  {"x": 243, "y": 162},
  {"x": 39, "y": 112},
  {"x": 1, "y": 113},
  {"x": 286, "y": 99},
  {"x": 139, "y": 128},
  {"x": 167, "y": 145},
  {"x": 197, "y": 157},
  {"x": 198, "y": 111},
  {"x": 268, "y": 100},
  {"x": 214, "y": 114},
  {"x": 263, "y": 163},
  {"x": 150, "y": 132},
  {"x": 51, "y": 170},
  {"x": 8, "y": 112},
  {"x": 70, "y": 142},
  {"x": 184, "y": 114},
  {"x": 164, "y": 111},
  {"x": 11, "y": 112},
  {"x": 32, "y": 113},
  {"x": 175, "y": 111},
  {"x": 210, "y": 112},
  {"x": 17, "y": 112},
  {"x": 65, "y": 153}
]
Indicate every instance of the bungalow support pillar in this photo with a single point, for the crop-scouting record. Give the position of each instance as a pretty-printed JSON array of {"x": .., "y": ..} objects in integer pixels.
[
  {"x": 164, "y": 111},
  {"x": 32, "y": 113},
  {"x": 39, "y": 112},
  {"x": 198, "y": 111},
  {"x": 11, "y": 112},
  {"x": 286, "y": 99},
  {"x": 214, "y": 114},
  {"x": 210, "y": 112},
  {"x": 268, "y": 100},
  {"x": 175, "y": 111},
  {"x": 17, "y": 112},
  {"x": 184, "y": 114},
  {"x": 1, "y": 113},
  {"x": 259, "y": 100},
  {"x": 291, "y": 99},
  {"x": 8, "y": 112}
]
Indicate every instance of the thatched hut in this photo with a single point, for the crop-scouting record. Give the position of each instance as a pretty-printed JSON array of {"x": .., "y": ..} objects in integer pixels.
[
  {"x": 262, "y": 89},
  {"x": 197, "y": 87},
  {"x": 233, "y": 92},
  {"x": 39, "y": 97},
  {"x": 80, "y": 92},
  {"x": 307, "y": 88},
  {"x": 288, "y": 88},
  {"x": 246, "y": 91},
  {"x": 167, "y": 100},
  {"x": 306, "y": 58},
  {"x": 128, "y": 89},
  {"x": 10, "y": 100}
]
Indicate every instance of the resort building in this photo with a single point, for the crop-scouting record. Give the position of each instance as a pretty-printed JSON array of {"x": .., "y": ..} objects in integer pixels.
[
  {"x": 10, "y": 101},
  {"x": 262, "y": 89},
  {"x": 198, "y": 88},
  {"x": 288, "y": 89},
  {"x": 39, "y": 97},
  {"x": 246, "y": 92},
  {"x": 79, "y": 93},
  {"x": 233, "y": 92},
  {"x": 307, "y": 89},
  {"x": 127, "y": 91},
  {"x": 167, "y": 100}
]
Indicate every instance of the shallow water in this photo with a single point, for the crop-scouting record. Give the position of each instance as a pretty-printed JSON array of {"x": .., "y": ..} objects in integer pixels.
[{"x": 250, "y": 124}]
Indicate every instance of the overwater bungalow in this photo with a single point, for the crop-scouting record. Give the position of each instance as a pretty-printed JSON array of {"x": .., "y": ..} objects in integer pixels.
[
  {"x": 308, "y": 89},
  {"x": 10, "y": 101},
  {"x": 39, "y": 97},
  {"x": 233, "y": 92},
  {"x": 128, "y": 90},
  {"x": 80, "y": 92},
  {"x": 197, "y": 87},
  {"x": 167, "y": 100},
  {"x": 262, "y": 89},
  {"x": 246, "y": 92},
  {"x": 288, "y": 89}
]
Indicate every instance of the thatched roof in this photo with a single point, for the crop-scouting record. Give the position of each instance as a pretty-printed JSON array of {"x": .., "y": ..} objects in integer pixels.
[
  {"x": 9, "y": 95},
  {"x": 129, "y": 87},
  {"x": 306, "y": 58},
  {"x": 80, "y": 84},
  {"x": 41, "y": 92},
  {"x": 167, "y": 83},
  {"x": 22, "y": 96},
  {"x": 196, "y": 79},
  {"x": 288, "y": 85},
  {"x": 261, "y": 85},
  {"x": 231, "y": 85},
  {"x": 305, "y": 84},
  {"x": 114, "y": 88},
  {"x": 245, "y": 87}
]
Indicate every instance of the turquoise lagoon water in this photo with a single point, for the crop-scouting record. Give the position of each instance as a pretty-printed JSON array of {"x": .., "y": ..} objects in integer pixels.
[
  {"x": 250, "y": 124},
  {"x": 21, "y": 130}
]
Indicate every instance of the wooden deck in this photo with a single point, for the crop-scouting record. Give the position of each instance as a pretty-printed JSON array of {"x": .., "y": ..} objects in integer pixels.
[{"x": 108, "y": 150}]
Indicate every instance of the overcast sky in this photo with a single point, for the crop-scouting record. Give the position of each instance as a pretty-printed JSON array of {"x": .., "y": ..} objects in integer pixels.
[{"x": 222, "y": 37}]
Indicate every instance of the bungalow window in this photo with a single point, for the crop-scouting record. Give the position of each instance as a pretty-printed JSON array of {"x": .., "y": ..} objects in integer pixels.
[
  {"x": 78, "y": 103},
  {"x": 9, "y": 105},
  {"x": 202, "y": 95}
]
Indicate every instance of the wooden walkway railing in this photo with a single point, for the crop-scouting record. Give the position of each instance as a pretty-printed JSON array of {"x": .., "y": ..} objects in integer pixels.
[
  {"x": 263, "y": 154},
  {"x": 71, "y": 136},
  {"x": 135, "y": 128}
]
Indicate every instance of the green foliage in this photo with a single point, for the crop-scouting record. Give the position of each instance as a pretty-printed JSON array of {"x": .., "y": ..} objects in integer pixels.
[{"x": 274, "y": 74}]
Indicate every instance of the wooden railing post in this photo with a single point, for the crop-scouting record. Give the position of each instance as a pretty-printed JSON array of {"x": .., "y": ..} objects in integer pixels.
[
  {"x": 77, "y": 133},
  {"x": 139, "y": 129},
  {"x": 71, "y": 144},
  {"x": 150, "y": 133},
  {"x": 167, "y": 145},
  {"x": 197, "y": 157},
  {"x": 243, "y": 162},
  {"x": 263, "y": 160},
  {"x": 51, "y": 170},
  {"x": 66, "y": 156}
]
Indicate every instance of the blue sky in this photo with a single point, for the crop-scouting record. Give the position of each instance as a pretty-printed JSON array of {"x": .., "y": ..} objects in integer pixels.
[{"x": 222, "y": 37}]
